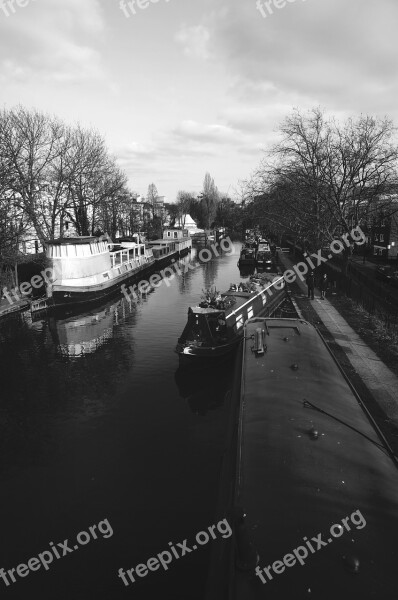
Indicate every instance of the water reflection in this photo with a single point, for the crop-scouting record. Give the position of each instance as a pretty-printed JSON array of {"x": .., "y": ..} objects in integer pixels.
[
  {"x": 78, "y": 336},
  {"x": 246, "y": 270},
  {"x": 205, "y": 389}
]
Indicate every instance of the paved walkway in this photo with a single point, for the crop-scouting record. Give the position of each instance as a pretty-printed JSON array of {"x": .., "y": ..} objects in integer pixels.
[{"x": 379, "y": 379}]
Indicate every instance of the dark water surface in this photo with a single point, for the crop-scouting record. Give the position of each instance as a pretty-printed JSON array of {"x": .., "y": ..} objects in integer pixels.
[{"x": 96, "y": 423}]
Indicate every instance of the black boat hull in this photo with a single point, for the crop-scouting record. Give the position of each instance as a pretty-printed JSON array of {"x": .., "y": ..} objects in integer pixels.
[{"x": 262, "y": 305}]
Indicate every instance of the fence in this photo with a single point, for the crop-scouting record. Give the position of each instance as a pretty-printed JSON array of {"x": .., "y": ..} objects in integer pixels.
[{"x": 366, "y": 292}]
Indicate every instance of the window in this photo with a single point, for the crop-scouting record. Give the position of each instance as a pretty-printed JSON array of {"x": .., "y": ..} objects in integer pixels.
[
  {"x": 382, "y": 237},
  {"x": 376, "y": 237},
  {"x": 239, "y": 321},
  {"x": 175, "y": 234}
]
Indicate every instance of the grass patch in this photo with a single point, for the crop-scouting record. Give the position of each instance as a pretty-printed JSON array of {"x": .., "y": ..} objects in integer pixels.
[{"x": 381, "y": 339}]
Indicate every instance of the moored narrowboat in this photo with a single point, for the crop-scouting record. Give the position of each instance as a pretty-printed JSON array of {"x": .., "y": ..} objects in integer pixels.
[
  {"x": 247, "y": 256},
  {"x": 265, "y": 260},
  {"x": 163, "y": 251},
  {"x": 309, "y": 481},
  {"x": 215, "y": 326}
]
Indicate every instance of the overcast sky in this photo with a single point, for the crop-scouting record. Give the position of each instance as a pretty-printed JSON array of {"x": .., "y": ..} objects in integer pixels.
[{"x": 188, "y": 86}]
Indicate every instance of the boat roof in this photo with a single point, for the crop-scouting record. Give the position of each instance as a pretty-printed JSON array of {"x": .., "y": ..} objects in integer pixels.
[
  {"x": 199, "y": 310},
  {"x": 240, "y": 298},
  {"x": 127, "y": 244},
  {"x": 161, "y": 241},
  {"x": 293, "y": 485},
  {"x": 84, "y": 239}
]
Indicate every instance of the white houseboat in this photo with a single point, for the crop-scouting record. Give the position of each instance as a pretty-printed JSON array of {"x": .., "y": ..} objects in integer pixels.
[
  {"x": 87, "y": 269},
  {"x": 180, "y": 237},
  {"x": 175, "y": 243}
]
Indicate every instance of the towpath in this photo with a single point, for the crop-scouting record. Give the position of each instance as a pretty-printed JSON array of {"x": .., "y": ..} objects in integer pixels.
[{"x": 374, "y": 381}]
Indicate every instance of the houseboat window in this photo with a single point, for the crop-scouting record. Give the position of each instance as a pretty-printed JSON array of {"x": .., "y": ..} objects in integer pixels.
[
  {"x": 142, "y": 249},
  {"x": 175, "y": 234},
  {"x": 169, "y": 234}
]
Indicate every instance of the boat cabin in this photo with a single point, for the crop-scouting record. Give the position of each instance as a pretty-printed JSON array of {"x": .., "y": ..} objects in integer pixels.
[
  {"x": 175, "y": 233},
  {"x": 162, "y": 248},
  {"x": 88, "y": 256},
  {"x": 206, "y": 327},
  {"x": 73, "y": 258}
]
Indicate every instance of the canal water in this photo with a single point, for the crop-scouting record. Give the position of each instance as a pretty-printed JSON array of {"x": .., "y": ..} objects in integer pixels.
[{"x": 98, "y": 424}]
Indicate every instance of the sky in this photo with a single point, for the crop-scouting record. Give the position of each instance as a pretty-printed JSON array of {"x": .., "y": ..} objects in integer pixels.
[{"x": 179, "y": 88}]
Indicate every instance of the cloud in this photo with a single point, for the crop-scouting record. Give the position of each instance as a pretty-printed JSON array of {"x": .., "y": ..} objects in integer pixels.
[
  {"x": 330, "y": 51},
  {"x": 212, "y": 133},
  {"x": 194, "y": 40},
  {"x": 183, "y": 150},
  {"x": 51, "y": 40}
]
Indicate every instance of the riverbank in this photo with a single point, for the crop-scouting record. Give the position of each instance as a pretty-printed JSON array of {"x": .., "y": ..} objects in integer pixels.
[
  {"x": 382, "y": 340},
  {"x": 7, "y": 309}
]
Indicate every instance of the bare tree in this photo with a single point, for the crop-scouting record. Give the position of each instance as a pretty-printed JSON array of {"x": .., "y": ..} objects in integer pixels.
[
  {"x": 324, "y": 178},
  {"x": 32, "y": 141},
  {"x": 184, "y": 202}
]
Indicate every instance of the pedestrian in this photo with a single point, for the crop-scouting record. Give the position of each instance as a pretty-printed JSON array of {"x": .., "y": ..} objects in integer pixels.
[
  {"x": 311, "y": 284},
  {"x": 324, "y": 286}
]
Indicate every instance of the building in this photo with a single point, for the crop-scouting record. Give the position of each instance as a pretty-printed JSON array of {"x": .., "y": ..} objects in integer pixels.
[
  {"x": 384, "y": 232},
  {"x": 143, "y": 212}
]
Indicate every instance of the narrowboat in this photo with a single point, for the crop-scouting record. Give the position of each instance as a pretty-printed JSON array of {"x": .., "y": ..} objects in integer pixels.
[
  {"x": 164, "y": 251},
  {"x": 263, "y": 245},
  {"x": 215, "y": 326},
  {"x": 88, "y": 269},
  {"x": 309, "y": 480},
  {"x": 248, "y": 254},
  {"x": 265, "y": 261}
]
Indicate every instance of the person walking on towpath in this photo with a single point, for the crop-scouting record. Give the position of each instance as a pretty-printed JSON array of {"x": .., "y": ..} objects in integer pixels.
[
  {"x": 311, "y": 284},
  {"x": 324, "y": 285}
]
